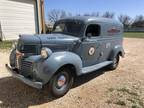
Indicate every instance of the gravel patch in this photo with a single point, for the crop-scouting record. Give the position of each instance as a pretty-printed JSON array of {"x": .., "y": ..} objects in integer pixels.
[{"x": 121, "y": 88}]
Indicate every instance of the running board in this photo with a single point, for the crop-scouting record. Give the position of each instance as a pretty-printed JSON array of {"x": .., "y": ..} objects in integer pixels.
[{"x": 95, "y": 67}]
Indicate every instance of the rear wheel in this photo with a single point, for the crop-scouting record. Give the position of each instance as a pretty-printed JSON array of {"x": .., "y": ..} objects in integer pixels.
[
  {"x": 61, "y": 82},
  {"x": 115, "y": 63}
]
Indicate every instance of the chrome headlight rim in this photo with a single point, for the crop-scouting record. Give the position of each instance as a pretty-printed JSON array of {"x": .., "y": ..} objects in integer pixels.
[{"x": 45, "y": 53}]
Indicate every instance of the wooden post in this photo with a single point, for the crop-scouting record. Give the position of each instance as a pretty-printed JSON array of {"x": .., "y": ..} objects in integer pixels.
[{"x": 43, "y": 17}]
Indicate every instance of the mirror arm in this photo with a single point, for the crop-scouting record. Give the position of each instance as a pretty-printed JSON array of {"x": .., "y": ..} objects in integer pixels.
[{"x": 83, "y": 38}]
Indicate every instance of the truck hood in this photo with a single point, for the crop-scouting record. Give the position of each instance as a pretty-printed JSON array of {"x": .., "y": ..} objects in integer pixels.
[
  {"x": 48, "y": 39},
  {"x": 57, "y": 39},
  {"x": 55, "y": 42}
]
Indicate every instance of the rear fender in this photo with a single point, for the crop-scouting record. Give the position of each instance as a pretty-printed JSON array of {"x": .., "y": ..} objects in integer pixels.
[{"x": 117, "y": 50}]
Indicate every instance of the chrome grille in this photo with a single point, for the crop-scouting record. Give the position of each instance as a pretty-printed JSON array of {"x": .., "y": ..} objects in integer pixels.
[
  {"x": 26, "y": 66},
  {"x": 27, "y": 49}
]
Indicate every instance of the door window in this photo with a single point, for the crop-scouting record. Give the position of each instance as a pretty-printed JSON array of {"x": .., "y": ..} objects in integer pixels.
[{"x": 93, "y": 30}]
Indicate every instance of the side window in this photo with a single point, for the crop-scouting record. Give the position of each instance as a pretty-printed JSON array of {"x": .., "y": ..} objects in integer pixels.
[{"x": 93, "y": 30}]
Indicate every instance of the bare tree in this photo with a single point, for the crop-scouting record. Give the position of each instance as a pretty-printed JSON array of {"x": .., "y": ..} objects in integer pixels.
[
  {"x": 95, "y": 14},
  {"x": 139, "y": 21},
  {"x": 69, "y": 14},
  {"x": 139, "y": 18},
  {"x": 78, "y": 15},
  {"x": 63, "y": 14},
  {"x": 125, "y": 20},
  {"x": 55, "y": 15},
  {"x": 108, "y": 15},
  {"x": 86, "y": 14}
]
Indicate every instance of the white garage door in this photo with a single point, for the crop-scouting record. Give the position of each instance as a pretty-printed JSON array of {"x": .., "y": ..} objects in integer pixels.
[{"x": 17, "y": 17}]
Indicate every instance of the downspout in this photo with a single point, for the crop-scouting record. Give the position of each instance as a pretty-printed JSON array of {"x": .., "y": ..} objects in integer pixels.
[{"x": 38, "y": 26}]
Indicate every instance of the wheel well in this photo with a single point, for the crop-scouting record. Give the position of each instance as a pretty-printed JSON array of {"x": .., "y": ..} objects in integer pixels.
[
  {"x": 120, "y": 53},
  {"x": 117, "y": 53},
  {"x": 71, "y": 67}
]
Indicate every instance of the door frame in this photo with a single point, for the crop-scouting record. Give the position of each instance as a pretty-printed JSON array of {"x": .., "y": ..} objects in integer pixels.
[{"x": 93, "y": 40}]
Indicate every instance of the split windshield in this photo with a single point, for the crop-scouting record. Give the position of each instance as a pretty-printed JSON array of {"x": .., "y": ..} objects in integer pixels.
[{"x": 70, "y": 27}]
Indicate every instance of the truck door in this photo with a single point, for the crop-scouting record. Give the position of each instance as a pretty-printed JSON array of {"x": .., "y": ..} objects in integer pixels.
[{"x": 90, "y": 53}]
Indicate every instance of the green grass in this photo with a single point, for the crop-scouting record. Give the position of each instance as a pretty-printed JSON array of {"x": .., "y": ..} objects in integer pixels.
[
  {"x": 120, "y": 102},
  {"x": 127, "y": 91},
  {"x": 6, "y": 45},
  {"x": 129, "y": 97},
  {"x": 134, "y": 34}
]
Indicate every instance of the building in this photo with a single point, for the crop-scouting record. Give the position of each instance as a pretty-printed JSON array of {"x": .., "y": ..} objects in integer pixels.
[{"x": 20, "y": 17}]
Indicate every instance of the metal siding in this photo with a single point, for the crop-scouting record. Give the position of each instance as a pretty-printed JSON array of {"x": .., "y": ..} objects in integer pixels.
[{"x": 17, "y": 17}]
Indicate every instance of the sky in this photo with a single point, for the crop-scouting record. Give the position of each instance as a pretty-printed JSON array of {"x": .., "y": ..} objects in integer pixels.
[{"x": 126, "y": 7}]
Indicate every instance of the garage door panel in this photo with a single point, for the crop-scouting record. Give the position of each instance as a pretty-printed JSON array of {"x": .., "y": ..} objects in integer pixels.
[{"x": 17, "y": 17}]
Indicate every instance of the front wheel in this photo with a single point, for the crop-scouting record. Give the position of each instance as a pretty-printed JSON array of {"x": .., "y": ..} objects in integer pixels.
[
  {"x": 115, "y": 63},
  {"x": 61, "y": 82}
]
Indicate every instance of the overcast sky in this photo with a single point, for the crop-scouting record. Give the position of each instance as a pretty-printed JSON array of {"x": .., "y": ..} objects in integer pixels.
[{"x": 128, "y": 7}]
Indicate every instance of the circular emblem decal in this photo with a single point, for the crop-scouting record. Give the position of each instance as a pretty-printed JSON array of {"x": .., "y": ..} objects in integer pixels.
[{"x": 91, "y": 51}]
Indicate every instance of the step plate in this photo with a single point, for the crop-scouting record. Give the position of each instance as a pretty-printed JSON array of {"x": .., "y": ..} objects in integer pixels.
[{"x": 95, "y": 67}]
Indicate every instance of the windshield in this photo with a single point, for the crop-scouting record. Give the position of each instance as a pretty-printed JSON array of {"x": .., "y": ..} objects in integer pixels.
[{"x": 72, "y": 27}]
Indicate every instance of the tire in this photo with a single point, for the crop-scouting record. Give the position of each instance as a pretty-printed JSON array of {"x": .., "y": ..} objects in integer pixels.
[
  {"x": 12, "y": 58},
  {"x": 61, "y": 82},
  {"x": 115, "y": 63}
]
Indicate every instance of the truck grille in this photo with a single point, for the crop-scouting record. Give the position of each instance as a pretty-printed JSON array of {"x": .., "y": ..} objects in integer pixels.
[
  {"x": 26, "y": 66},
  {"x": 27, "y": 49}
]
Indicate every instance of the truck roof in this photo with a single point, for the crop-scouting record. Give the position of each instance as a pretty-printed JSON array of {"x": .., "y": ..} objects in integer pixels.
[{"x": 87, "y": 19}]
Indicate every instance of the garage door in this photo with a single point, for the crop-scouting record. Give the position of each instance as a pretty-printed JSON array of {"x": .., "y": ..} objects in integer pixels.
[{"x": 17, "y": 17}]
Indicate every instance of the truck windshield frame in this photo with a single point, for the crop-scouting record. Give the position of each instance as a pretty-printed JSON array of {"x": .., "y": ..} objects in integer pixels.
[{"x": 69, "y": 27}]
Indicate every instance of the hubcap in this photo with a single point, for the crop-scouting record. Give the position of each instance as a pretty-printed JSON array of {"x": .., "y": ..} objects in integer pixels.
[
  {"x": 61, "y": 81},
  {"x": 115, "y": 61}
]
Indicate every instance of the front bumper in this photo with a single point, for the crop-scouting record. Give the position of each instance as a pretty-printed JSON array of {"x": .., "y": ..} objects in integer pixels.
[{"x": 27, "y": 81}]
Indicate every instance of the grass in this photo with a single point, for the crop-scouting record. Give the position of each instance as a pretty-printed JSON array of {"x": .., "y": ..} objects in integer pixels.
[
  {"x": 111, "y": 89},
  {"x": 134, "y": 34},
  {"x": 6, "y": 45},
  {"x": 129, "y": 97},
  {"x": 120, "y": 102},
  {"x": 135, "y": 106},
  {"x": 127, "y": 91}
]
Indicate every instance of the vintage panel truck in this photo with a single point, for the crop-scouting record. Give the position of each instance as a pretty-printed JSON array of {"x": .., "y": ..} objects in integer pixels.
[{"x": 76, "y": 46}]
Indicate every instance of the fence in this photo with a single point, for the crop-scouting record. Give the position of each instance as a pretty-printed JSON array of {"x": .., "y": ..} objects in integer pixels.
[{"x": 136, "y": 29}]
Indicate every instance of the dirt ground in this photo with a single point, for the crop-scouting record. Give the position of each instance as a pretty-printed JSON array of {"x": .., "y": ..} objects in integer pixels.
[{"x": 121, "y": 88}]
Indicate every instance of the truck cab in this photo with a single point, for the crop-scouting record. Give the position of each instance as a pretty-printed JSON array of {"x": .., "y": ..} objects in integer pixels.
[{"x": 76, "y": 46}]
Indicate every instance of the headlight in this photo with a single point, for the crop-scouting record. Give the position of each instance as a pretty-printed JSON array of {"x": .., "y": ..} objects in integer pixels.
[{"x": 45, "y": 53}]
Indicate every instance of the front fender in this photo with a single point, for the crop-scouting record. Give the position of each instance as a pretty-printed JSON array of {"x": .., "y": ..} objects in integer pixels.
[{"x": 45, "y": 69}]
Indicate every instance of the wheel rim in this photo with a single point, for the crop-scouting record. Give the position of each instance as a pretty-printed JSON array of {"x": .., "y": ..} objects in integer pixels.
[
  {"x": 115, "y": 61},
  {"x": 61, "y": 81}
]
